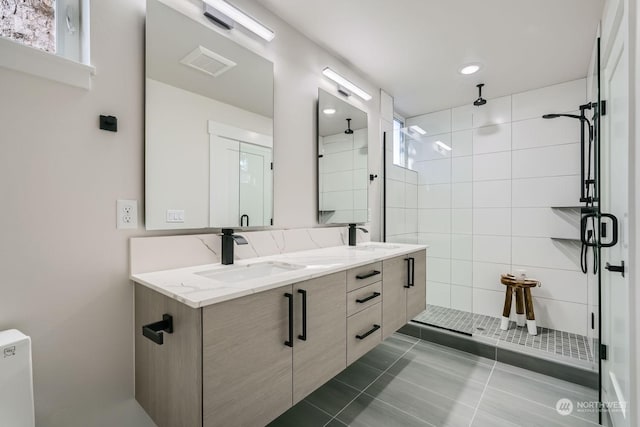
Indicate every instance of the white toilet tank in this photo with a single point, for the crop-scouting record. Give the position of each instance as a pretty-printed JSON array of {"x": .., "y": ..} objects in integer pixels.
[{"x": 16, "y": 380}]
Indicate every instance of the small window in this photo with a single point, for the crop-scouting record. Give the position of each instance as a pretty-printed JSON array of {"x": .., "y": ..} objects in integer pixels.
[
  {"x": 54, "y": 26},
  {"x": 399, "y": 149}
]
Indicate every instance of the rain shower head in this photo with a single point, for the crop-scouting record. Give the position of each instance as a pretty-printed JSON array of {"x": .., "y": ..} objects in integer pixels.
[
  {"x": 348, "y": 131},
  {"x": 480, "y": 101}
]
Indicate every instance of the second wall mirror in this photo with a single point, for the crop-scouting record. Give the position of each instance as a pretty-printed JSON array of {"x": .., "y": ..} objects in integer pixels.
[
  {"x": 342, "y": 161},
  {"x": 209, "y": 125}
]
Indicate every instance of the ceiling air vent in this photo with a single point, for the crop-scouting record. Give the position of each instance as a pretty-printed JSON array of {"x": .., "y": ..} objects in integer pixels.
[{"x": 206, "y": 61}]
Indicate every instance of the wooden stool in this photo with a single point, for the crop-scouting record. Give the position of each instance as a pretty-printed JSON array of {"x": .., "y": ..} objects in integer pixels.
[{"x": 524, "y": 301}]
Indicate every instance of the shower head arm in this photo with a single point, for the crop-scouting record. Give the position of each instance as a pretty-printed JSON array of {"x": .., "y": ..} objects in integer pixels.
[{"x": 582, "y": 119}]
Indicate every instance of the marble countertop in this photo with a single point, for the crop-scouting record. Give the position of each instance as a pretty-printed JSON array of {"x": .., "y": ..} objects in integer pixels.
[{"x": 194, "y": 290}]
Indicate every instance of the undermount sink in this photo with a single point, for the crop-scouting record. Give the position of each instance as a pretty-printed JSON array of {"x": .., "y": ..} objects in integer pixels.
[
  {"x": 376, "y": 247},
  {"x": 241, "y": 273}
]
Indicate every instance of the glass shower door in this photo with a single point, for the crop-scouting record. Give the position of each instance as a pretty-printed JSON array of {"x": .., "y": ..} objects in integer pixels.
[{"x": 425, "y": 203}]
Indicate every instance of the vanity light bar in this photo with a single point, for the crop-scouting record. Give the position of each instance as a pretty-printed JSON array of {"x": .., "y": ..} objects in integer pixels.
[
  {"x": 418, "y": 129},
  {"x": 443, "y": 145},
  {"x": 328, "y": 72},
  {"x": 241, "y": 18}
]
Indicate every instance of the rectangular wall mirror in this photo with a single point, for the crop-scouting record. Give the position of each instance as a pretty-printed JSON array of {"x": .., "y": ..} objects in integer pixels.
[
  {"x": 342, "y": 161},
  {"x": 209, "y": 125}
]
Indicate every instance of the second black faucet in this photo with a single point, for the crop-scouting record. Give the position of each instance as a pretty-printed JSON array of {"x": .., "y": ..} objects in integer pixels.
[{"x": 352, "y": 233}]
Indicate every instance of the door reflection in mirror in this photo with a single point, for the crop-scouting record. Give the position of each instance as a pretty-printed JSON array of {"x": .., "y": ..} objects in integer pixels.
[{"x": 241, "y": 176}]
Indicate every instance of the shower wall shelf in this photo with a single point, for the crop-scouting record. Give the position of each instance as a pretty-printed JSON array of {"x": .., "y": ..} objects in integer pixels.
[
  {"x": 583, "y": 209},
  {"x": 567, "y": 239}
]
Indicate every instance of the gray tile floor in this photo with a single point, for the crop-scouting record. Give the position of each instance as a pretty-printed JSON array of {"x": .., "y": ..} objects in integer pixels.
[
  {"x": 561, "y": 343},
  {"x": 408, "y": 382}
]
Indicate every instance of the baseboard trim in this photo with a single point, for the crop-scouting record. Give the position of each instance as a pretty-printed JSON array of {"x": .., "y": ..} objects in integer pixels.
[{"x": 532, "y": 362}]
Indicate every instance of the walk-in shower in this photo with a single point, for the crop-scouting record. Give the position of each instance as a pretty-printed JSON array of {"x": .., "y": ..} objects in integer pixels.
[{"x": 496, "y": 189}]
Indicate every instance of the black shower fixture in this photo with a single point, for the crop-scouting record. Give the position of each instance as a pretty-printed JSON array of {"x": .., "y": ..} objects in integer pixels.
[
  {"x": 582, "y": 118},
  {"x": 588, "y": 186},
  {"x": 480, "y": 101},
  {"x": 348, "y": 131}
]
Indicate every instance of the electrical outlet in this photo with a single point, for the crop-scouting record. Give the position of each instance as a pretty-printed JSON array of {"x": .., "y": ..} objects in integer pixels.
[{"x": 127, "y": 214}]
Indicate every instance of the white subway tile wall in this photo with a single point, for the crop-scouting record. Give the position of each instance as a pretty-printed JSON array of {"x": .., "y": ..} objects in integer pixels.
[
  {"x": 501, "y": 199},
  {"x": 402, "y": 201},
  {"x": 342, "y": 181}
]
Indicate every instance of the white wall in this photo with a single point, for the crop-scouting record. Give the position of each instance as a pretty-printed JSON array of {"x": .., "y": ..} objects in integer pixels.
[
  {"x": 64, "y": 265},
  {"x": 298, "y": 66},
  {"x": 485, "y": 206},
  {"x": 401, "y": 202}
]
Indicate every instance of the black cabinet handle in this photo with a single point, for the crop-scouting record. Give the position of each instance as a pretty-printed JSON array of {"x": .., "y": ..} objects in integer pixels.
[
  {"x": 154, "y": 331},
  {"x": 303, "y": 337},
  {"x": 408, "y": 261},
  {"x": 366, "y": 334},
  {"x": 370, "y": 297},
  {"x": 413, "y": 271},
  {"x": 242, "y": 217},
  {"x": 289, "y": 342},
  {"x": 367, "y": 275}
]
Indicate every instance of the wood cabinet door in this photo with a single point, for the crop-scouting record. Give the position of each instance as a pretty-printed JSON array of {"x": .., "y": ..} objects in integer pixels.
[
  {"x": 417, "y": 294},
  {"x": 168, "y": 376},
  {"x": 246, "y": 364},
  {"x": 321, "y": 352},
  {"x": 394, "y": 294}
]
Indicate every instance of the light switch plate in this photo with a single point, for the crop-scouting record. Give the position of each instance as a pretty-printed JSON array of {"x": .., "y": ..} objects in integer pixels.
[
  {"x": 127, "y": 214},
  {"x": 175, "y": 215}
]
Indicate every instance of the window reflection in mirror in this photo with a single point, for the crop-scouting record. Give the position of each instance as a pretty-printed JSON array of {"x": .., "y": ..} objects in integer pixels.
[
  {"x": 209, "y": 124},
  {"x": 342, "y": 161}
]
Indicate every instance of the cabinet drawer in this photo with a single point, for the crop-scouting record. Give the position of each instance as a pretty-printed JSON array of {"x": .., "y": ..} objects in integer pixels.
[
  {"x": 362, "y": 334},
  {"x": 364, "y": 297},
  {"x": 363, "y": 276}
]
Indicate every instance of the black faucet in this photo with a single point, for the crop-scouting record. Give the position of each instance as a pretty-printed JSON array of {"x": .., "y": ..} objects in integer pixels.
[
  {"x": 352, "y": 233},
  {"x": 227, "y": 245}
]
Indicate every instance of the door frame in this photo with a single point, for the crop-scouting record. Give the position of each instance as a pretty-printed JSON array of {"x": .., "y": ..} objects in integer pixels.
[{"x": 618, "y": 26}]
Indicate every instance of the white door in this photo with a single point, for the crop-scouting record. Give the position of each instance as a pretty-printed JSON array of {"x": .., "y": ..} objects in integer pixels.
[
  {"x": 255, "y": 184},
  {"x": 615, "y": 200},
  {"x": 240, "y": 177}
]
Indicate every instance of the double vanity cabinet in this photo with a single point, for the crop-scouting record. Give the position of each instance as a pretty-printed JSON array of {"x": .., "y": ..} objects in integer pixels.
[{"x": 245, "y": 360}]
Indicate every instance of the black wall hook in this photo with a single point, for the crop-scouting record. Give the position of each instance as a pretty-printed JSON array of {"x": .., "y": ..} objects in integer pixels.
[{"x": 109, "y": 123}]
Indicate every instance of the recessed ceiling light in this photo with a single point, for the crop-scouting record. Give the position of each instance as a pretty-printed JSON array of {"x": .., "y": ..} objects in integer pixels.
[
  {"x": 329, "y": 111},
  {"x": 418, "y": 129},
  {"x": 469, "y": 69}
]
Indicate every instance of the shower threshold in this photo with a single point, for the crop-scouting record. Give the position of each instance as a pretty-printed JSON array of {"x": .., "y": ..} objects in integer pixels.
[{"x": 558, "y": 344}]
